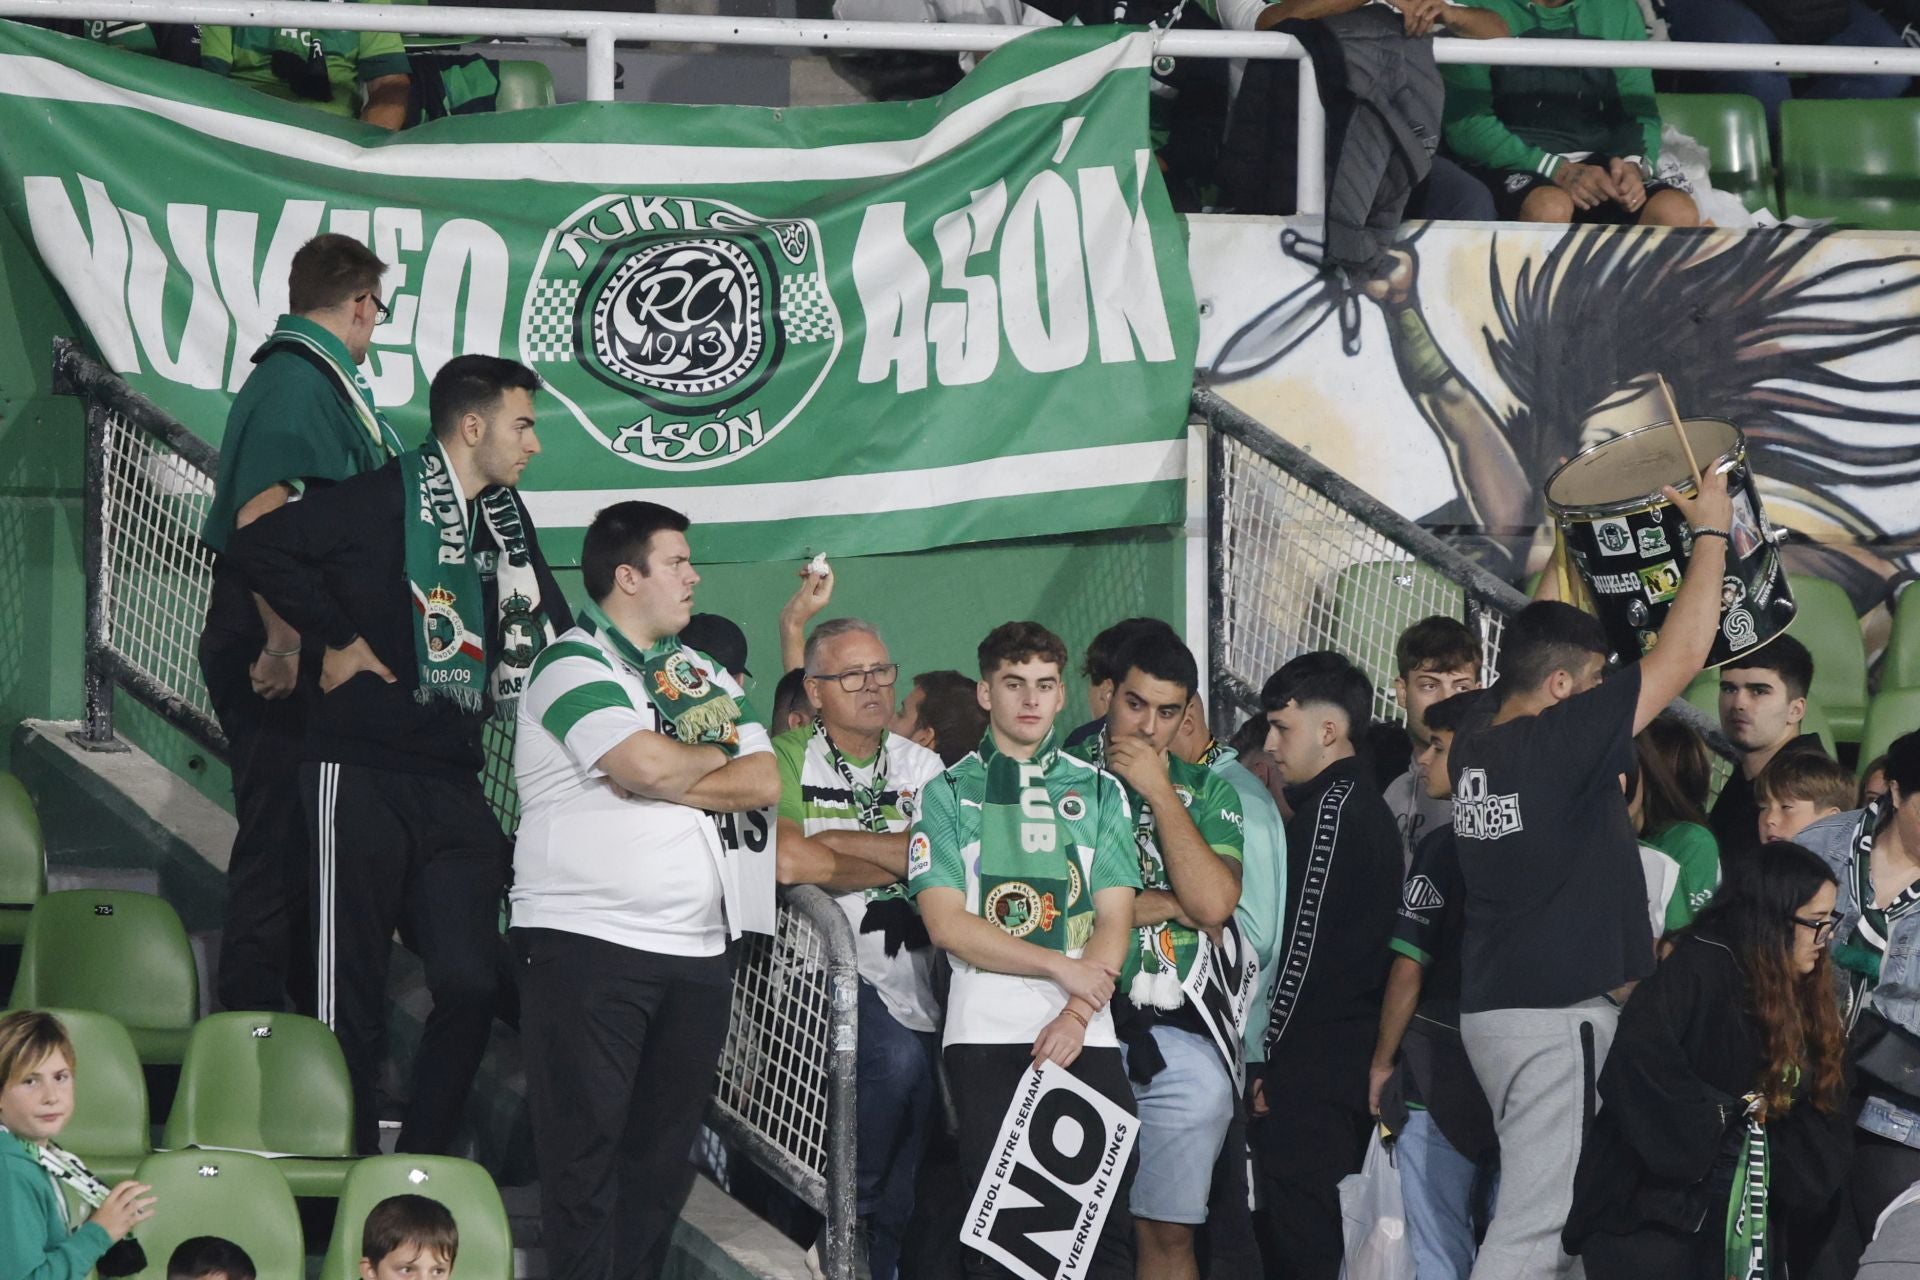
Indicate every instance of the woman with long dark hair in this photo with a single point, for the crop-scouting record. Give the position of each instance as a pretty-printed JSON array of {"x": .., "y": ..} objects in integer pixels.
[
  {"x": 1722, "y": 1104},
  {"x": 1669, "y": 811}
]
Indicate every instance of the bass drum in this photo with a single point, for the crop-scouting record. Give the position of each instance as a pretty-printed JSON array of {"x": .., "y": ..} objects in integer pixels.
[{"x": 1631, "y": 545}]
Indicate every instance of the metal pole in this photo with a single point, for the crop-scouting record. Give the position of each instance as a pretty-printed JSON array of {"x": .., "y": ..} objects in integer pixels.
[
  {"x": 1218, "y": 694},
  {"x": 96, "y": 732},
  {"x": 1310, "y": 175},
  {"x": 843, "y": 1205},
  {"x": 944, "y": 37},
  {"x": 600, "y": 65}
]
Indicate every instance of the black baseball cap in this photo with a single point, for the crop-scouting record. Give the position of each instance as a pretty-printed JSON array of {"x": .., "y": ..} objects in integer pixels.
[{"x": 720, "y": 638}]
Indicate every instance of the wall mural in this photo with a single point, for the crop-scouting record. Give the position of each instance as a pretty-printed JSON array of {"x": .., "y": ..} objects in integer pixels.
[{"x": 1453, "y": 387}]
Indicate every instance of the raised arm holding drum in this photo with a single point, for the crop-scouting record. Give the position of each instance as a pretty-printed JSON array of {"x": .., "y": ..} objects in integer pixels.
[{"x": 1693, "y": 623}]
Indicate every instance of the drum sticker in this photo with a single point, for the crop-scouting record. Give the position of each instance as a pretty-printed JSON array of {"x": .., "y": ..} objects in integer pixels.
[
  {"x": 1653, "y": 542},
  {"x": 1662, "y": 581},
  {"x": 1647, "y": 640},
  {"x": 1685, "y": 532},
  {"x": 1733, "y": 592},
  {"x": 1614, "y": 536},
  {"x": 1616, "y": 584},
  {"x": 1739, "y": 630},
  {"x": 1746, "y": 528}
]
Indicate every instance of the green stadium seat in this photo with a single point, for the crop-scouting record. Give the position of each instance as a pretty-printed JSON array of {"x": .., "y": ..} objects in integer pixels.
[
  {"x": 1828, "y": 626},
  {"x": 486, "y": 1242},
  {"x": 1374, "y": 601},
  {"x": 1900, "y": 665},
  {"x": 268, "y": 1082},
  {"x": 115, "y": 952},
  {"x": 523, "y": 83},
  {"x": 1704, "y": 693},
  {"x": 1817, "y": 722},
  {"x": 1733, "y": 129},
  {"x": 1892, "y": 713},
  {"x": 1857, "y": 162},
  {"x": 231, "y": 1194},
  {"x": 23, "y": 860},
  {"x": 109, "y": 1129}
]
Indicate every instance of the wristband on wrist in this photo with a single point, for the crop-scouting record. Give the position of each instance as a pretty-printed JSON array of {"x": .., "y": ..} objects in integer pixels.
[
  {"x": 1708, "y": 531},
  {"x": 281, "y": 653},
  {"x": 1078, "y": 1017}
]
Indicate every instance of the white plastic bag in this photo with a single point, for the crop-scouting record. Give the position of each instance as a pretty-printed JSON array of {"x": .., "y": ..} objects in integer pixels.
[{"x": 1375, "y": 1220}]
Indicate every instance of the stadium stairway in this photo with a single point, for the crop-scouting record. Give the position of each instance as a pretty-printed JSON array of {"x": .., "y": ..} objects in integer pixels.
[{"x": 122, "y": 820}]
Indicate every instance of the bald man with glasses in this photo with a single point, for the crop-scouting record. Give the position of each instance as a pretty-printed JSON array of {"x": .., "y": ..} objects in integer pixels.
[{"x": 849, "y": 789}]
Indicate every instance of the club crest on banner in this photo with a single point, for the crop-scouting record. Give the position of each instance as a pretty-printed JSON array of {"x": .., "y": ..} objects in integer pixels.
[{"x": 718, "y": 323}]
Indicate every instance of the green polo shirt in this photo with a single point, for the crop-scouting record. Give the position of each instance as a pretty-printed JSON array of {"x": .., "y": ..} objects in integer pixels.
[
  {"x": 288, "y": 425},
  {"x": 353, "y": 58}
]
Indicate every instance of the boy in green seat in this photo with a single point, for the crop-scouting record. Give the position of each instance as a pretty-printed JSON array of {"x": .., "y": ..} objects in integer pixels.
[
  {"x": 1565, "y": 144},
  {"x": 323, "y": 68}
]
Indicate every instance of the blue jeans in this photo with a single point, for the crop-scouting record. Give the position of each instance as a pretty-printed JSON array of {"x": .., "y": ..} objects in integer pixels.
[
  {"x": 1438, "y": 1185},
  {"x": 1732, "y": 22},
  {"x": 894, "y": 1106}
]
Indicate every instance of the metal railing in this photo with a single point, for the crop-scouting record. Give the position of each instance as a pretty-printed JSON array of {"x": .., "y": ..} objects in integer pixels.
[
  {"x": 1304, "y": 559},
  {"x": 784, "y": 1091},
  {"x": 603, "y": 31}
]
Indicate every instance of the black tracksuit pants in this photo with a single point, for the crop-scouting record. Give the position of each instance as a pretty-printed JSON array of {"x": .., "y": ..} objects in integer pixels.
[
  {"x": 266, "y": 948},
  {"x": 1314, "y": 1134},
  {"x": 621, "y": 1047},
  {"x": 422, "y": 853}
]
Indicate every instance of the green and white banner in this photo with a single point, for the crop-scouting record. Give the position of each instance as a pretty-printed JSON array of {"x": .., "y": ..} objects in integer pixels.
[{"x": 853, "y": 329}]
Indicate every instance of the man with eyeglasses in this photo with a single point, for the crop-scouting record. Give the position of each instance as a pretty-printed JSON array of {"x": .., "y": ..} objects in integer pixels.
[
  {"x": 849, "y": 789},
  {"x": 304, "y": 420}
]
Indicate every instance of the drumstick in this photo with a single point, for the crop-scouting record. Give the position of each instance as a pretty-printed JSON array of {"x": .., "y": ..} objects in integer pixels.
[{"x": 1673, "y": 415}]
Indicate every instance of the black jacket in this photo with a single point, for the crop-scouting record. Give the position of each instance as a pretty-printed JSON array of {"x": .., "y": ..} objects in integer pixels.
[
  {"x": 1344, "y": 865},
  {"x": 334, "y": 566},
  {"x": 1663, "y": 1148}
]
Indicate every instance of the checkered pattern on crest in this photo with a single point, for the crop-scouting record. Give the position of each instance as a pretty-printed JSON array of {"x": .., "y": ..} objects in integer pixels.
[
  {"x": 805, "y": 309},
  {"x": 550, "y": 324}
]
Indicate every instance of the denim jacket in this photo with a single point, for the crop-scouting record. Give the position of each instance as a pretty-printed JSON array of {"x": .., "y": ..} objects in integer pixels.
[{"x": 1838, "y": 841}]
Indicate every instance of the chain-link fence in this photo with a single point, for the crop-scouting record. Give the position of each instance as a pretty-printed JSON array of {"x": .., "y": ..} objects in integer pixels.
[
  {"x": 1303, "y": 560},
  {"x": 785, "y": 1091}
]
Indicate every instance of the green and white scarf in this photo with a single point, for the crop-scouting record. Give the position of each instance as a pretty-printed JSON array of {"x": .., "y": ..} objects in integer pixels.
[
  {"x": 868, "y": 810},
  {"x": 64, "y": 1167},
  {"x": 1030, "y": 883},
  {"x": 297, "y": 331},
  {"x": 448, "y": 557},
  {"x": 1749, "y": 1254},
  {"x": 1156, "y": 969},
  {"x": 698, "y": 711}
]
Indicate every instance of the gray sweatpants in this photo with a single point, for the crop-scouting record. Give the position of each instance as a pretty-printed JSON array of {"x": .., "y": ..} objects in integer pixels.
[{"x": 1538, "y": 1068}]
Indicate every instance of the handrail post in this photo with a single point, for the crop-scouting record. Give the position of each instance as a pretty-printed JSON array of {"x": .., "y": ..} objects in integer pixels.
[
  {"x": 843, "y": 1203},
  {"x": 601, "y": 65},
  {"x": 1310, "y": 174}
]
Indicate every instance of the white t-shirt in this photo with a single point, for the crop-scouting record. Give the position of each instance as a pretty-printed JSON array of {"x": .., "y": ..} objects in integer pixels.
[
  {"x": 642, "y": 873},
  {"x": 813, "y": 794}
]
